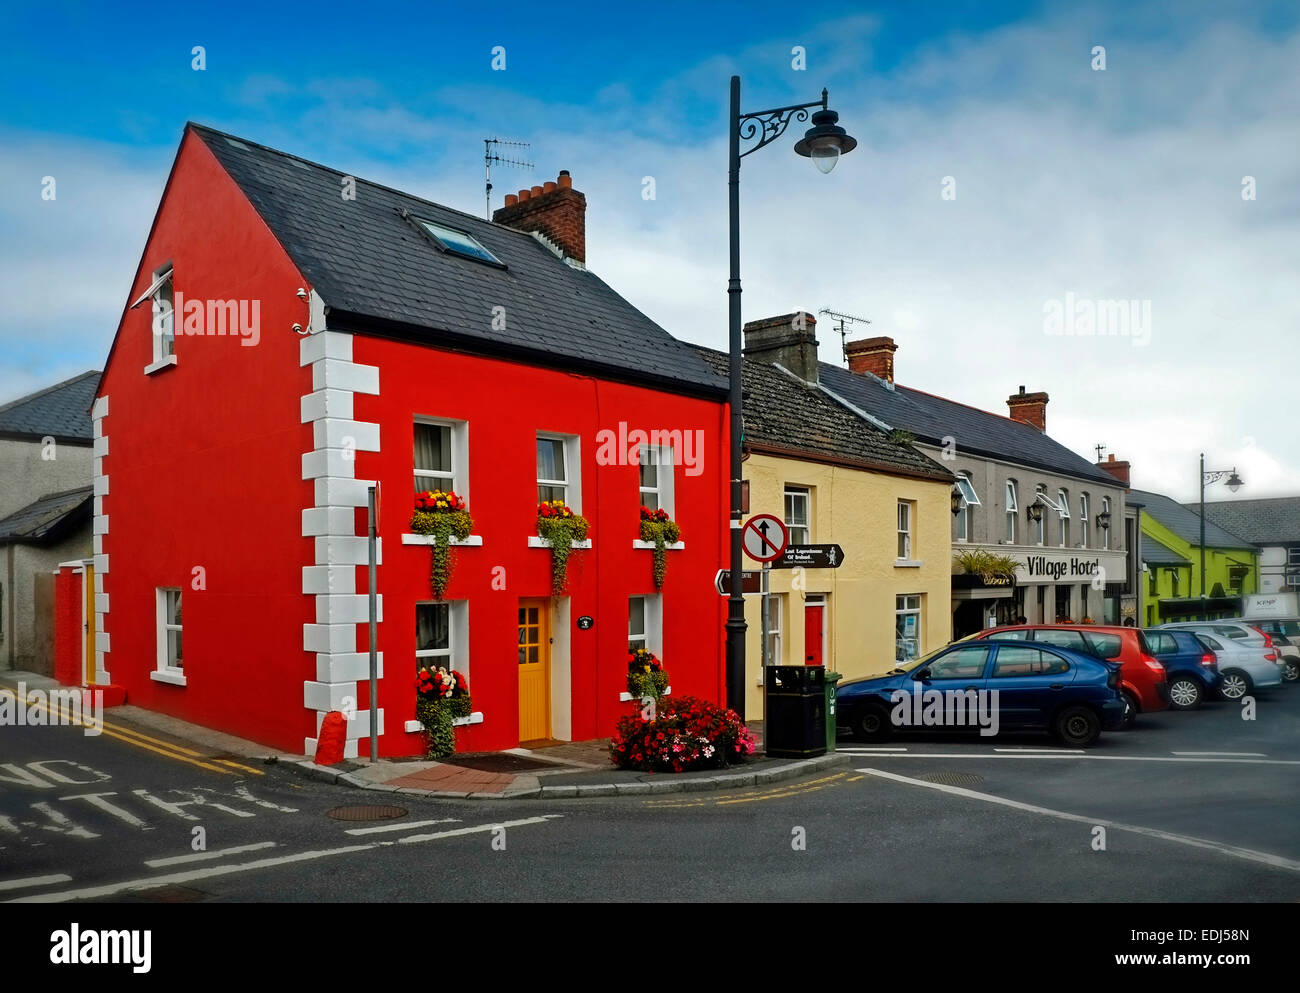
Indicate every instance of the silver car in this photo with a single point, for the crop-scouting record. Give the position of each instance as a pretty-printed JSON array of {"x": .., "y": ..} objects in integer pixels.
[
  {"x": 1244, "y": 667},
  {"x": 1285, "y": 632}
]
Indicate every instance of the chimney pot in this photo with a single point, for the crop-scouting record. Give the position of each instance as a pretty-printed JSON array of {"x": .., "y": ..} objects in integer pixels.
[
  {"x": 548, "y": 186},
  {"x": 566, "y": 181},
  {"x": 874, "y": 356},
  {"x": 524, "y": 195},
  {"x": 511, "y": 199},
  {"x": 537, "y": 191}
]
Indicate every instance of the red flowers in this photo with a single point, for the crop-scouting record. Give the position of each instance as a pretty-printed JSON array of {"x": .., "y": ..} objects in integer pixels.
[
  {"x": 658, "y": 516},
  {"x": 687, "y": 733},
  {"x": 439, "y": 501},
  {"x": 440, "y": 683},
  {"x": 554, "y": 508}
]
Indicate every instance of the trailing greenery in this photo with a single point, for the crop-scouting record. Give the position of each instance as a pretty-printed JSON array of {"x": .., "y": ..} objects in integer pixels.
[
  {"x": 561, "y": 527},
  {"x": 647, "y": 684},
  {"x": 443, "y": 525},
  {"x": 437, "y": 716},
  {"x": 656, "y": 527},
  {"x": 979, "y": 562}
]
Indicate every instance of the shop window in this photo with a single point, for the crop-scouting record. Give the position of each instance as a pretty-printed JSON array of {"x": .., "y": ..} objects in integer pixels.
[
  {"x": 907, "y": 626},
  {"x": 798, "y": 504}
]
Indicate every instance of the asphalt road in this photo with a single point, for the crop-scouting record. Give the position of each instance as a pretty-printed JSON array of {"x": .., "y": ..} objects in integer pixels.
[{"x": 1197, "y": 806}]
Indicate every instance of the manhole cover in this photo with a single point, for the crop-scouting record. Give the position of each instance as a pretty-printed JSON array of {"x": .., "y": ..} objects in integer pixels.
[
  {"x": 953, "y": 778},
  {"x": 366, "y": 812}
]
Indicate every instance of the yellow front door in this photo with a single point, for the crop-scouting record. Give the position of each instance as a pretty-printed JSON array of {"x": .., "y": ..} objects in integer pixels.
[{"x": 534, "y": 670}]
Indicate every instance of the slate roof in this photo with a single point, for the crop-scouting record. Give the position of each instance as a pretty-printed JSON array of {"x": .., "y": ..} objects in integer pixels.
[
  {"x": 61, "y": 411},
  {"x": 377, "y": 272},
  {"x": 1269, "y": 521},
  {"x": 1186, "y": 523},
  {"x": 785, "y": 413},
  {"x": 1158, "y": 553},
  {"x": 978, "y": 432},
  {"x": 48, "y": 517}
]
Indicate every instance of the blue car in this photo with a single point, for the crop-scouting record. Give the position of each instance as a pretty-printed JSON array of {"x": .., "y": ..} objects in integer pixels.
[
  {"x": 1191, "y": 669},
  {"x": 986, "y": 687}
]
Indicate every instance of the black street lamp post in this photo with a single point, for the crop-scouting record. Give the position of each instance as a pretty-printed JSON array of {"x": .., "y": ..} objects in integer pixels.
[
  {"x": 1234, "y": 484},
  {"x": 824, "y": 142}
]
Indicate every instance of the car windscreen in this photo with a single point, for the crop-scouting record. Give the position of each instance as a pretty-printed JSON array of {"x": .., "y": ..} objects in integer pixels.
[
  {"x": 1110, "y": 646},
  {"x": 1209, "y": 642}
]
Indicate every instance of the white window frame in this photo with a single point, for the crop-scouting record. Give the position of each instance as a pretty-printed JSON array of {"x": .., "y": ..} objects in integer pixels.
[
  {"x": 1063, "y": 517},
  {"x": 1013, "y": 508},
  {"x": 1293, "y": 556},
  {"x": 162, "y": 318},
  {"x": 776, "y": 629},
  {"x": 459, "y": 474},
  {"x": 903, "y": 606},
  {"x": 572, "y": 483},
  {"x": 456, "y": 654},
  {"x": 663, "y": 488},
  {"x": 969, "y": 499},
  {"x": 164, "y": 670},
  {"x": 904, "y": 524},
  {"x": 1083, "y": 518},
  {"x": 794, "y": 493},
  {"x": 652, "y": 608},
  {"x": 1105, "y": 532}
]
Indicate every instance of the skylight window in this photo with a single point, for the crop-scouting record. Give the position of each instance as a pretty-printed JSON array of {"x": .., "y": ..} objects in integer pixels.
[{"x": 458, "y": 242}]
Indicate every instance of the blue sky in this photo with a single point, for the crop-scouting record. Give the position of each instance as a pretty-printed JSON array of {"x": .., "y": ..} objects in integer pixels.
[{"x": 1116, "y": 184}]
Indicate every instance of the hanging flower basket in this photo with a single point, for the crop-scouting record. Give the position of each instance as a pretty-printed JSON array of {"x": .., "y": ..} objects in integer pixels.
[
  {"x": 559, "y": 525},
  {"x": 442, "y": 695},
  {"x": 645, "y": 675},
  {"x": 442, "y": 515},
  {"x": 657, "y": 527}
]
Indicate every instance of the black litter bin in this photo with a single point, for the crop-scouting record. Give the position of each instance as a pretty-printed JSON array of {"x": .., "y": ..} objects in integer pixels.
[{"x": 795, "y": 711}]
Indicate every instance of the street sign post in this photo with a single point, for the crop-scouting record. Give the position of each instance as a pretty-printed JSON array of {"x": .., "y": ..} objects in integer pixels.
[
  {"x": 764, "y": 537},
  {"x": 810, "y": 557},
  {"x": 751, "y": 582}
]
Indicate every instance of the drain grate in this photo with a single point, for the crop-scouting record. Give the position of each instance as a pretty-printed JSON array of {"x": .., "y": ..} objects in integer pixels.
[
  {"x": 366, "y": 812},
  {"x": 953, "y": 778}
]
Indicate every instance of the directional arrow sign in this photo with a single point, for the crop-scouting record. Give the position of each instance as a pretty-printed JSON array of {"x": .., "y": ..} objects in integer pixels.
[
  {"x": 751, "y": 583},
  {"x": 810, "y": 557},
  {"x": 764, "y": 537}
]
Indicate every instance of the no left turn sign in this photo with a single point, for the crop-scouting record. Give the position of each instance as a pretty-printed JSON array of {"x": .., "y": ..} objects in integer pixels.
[{"x": 764, "y": 538}]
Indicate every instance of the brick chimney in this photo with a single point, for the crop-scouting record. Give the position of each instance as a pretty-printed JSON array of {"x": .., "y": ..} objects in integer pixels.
[
  {"x": 1120, "y": 470},
  {"x": 873, "y": 355},
  {"x": 555, "y": 210},
  {"x": 1029, "y": 408},
  {"x": 788, "y": 340}
]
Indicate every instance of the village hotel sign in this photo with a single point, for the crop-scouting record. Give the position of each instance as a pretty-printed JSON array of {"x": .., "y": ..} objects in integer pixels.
[{"x": 1067, "y": 566}]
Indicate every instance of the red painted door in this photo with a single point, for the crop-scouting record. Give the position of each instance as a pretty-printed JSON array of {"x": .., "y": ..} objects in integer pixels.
[{"x": 812, "y": 634}]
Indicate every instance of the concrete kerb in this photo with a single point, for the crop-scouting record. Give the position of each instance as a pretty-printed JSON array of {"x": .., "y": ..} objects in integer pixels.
[{"x": 530, "y": 791}]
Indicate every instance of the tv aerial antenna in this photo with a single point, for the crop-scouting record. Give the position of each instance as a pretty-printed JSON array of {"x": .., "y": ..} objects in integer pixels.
[
  {"x": 491, "y": 153},
  {"x": 841, "y": 320}
]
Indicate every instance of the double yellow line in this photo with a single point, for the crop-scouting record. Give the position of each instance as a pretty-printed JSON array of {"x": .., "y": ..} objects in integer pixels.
[
  {"x": 754, "y": 796},
  {"x": 140, "y": 740}
]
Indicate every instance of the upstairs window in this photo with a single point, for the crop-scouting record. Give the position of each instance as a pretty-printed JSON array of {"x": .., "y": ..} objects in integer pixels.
[
  {"x": 656, "y": 485},
  {"x": 162, "y": 302},
  {"x": 439, "y": 460},
  {"x": 965, "y": 517},
  {"x": 904, "y": 529},
  {"x": 1083, "y": 518},
  {"x": 458, "y": 242},
  {"x": 1063, "y": 502},
  {"x": 1012, "y": 509},
  {"x": 797, "y": 499},
  {"x": 552, "y": 470}
]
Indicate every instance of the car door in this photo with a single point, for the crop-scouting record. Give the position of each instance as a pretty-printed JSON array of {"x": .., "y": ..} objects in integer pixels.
[
  {"x": 959, "y": 675},
  {"x": 1030, "y": 683}
]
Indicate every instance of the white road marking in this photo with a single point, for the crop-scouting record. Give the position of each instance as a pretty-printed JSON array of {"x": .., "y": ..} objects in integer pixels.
[
  {"x": 216, "y": 853},
  {"x": 401, "y": 827},
  {"x": 868, "y": 749},
  {"x": 194, "y": 875},
  {"x": 1253, "y": 755},
  {"x": 1248, "y": 854},
  {"x": 97, "y": 801},
  {"x": 1087, "y": 756},
  {"x": 1044, "y": 751},
  {"x": 18, "y": 884}
]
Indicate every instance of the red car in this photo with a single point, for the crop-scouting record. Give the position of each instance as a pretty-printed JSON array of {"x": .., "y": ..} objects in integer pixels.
[{"x": 1142, "y": 677}]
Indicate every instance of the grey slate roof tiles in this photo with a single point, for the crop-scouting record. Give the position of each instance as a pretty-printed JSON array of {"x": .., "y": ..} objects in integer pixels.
[
  {"x": 1268, "y": 521},
  {"x": 1186, "y": 523},
  {"x": 1158, "y": 553},
  {"x": 43, "y": 517},
  {"x": 367, "y": 261},
  {"x": 978, "y": 432},
  {"x": 61, "y": 411},
  {"x": 784, "y": 412}
]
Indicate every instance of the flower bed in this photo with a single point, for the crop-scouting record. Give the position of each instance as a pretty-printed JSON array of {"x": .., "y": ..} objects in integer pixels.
[
  {"x": 687, "y": 733},
  {"x": 660, "y": 530},
  {"x": 442, "y": 695},
  {"x": 442, "y": 515},
  {"x": 559, "y": 525}
]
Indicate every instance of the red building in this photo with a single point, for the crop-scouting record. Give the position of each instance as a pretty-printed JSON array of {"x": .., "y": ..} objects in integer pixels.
[{"x": 293, "y": 335}]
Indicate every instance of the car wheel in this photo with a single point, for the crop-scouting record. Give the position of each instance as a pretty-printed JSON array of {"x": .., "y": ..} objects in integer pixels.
[
  {"x": 1236, "y": 684},
  {"x": 1292, "y": 671},
  {"x": 1076, "y": 726},
  {"x": 1185, "y": 694},
  {"x": 872, "y": 723},
  {"x": 1131, "y": 710}
]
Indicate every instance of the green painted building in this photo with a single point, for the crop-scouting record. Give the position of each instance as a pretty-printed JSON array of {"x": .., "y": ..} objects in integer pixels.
[{"x": 1171, "y": 552}]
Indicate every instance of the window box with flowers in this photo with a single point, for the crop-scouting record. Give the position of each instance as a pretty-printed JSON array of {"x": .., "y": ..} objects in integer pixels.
[
  {"x": 443, "y": 516},
  {"x": 645, "y": 675},
  {"x": 562, "y": 529},
  {"x": 660, "y": 531},
  {"x": 442, "y": 697}
]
